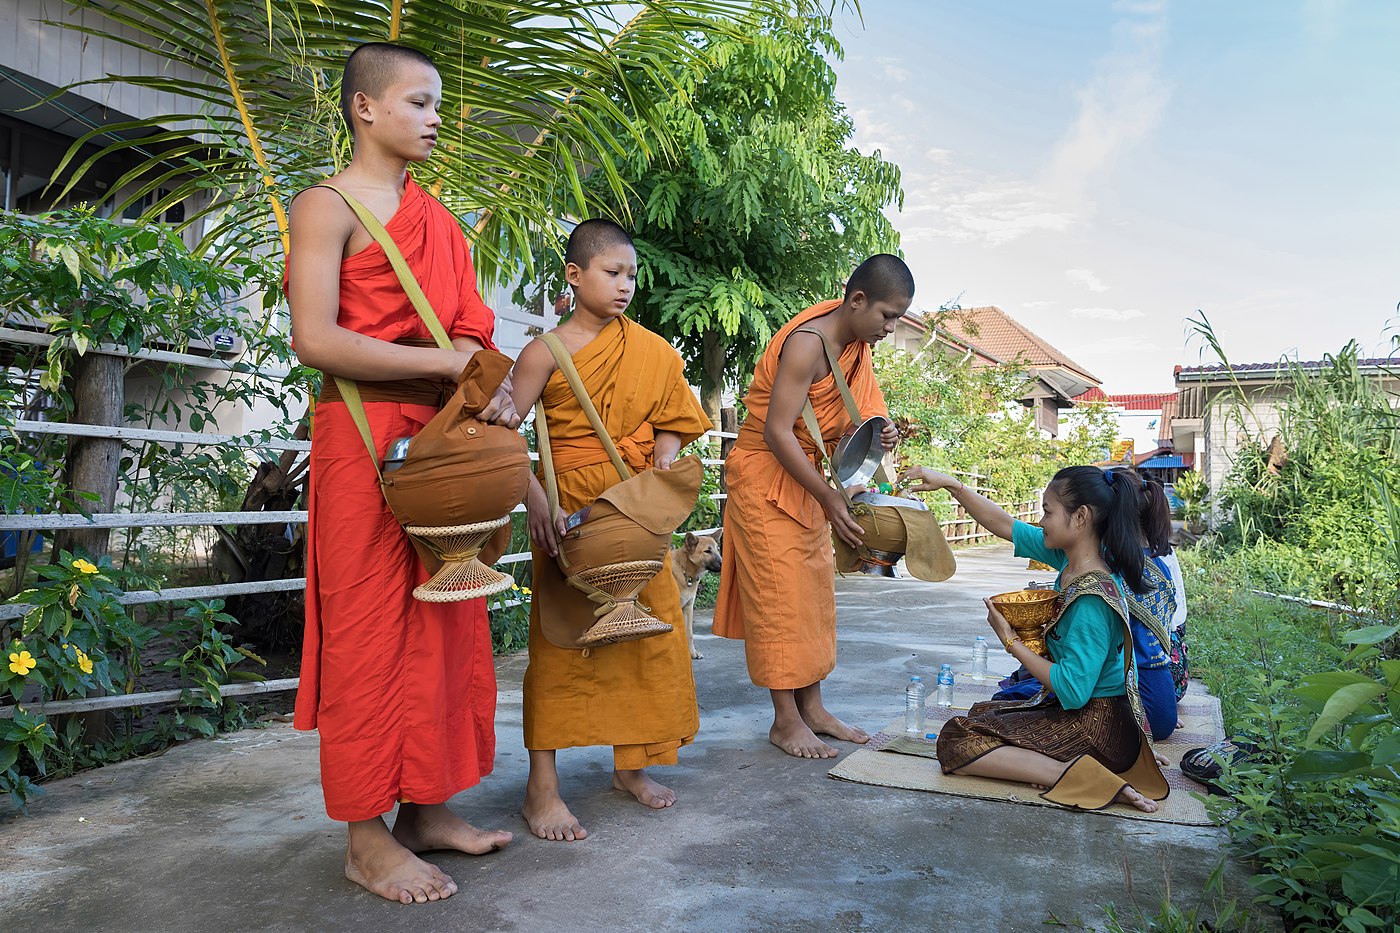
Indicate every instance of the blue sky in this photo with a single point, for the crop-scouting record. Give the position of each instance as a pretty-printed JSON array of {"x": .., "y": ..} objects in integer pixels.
[{"x": 1101, "y": 170}]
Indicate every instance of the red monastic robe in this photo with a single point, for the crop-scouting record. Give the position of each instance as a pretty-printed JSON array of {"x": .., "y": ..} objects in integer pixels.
[{"x": 403, "y": 692}]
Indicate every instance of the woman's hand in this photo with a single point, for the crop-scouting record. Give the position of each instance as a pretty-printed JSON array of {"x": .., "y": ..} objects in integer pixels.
[
  {"x": 1000, "y": 627},
  {"x": 545, "y": 530},
  {"x": 927, "y": 480},
  {"x": 839, "y": 514}
]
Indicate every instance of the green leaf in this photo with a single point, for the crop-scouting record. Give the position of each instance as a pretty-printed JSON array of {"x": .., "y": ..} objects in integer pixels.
[
  {"x": 1342, "y": 704},
  {"x": 1327, "y": 765},
  {"x": 199, "y": 724},
  {"x": 1370, "y": 635}
]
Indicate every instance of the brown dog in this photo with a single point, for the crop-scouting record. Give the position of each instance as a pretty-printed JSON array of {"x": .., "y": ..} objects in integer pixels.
[{"x": 698, "y": 555}]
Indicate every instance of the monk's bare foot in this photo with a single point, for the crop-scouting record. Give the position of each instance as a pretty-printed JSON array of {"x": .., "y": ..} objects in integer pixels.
[
  {"x": 822, "y": 722},
  {"x": 799, "y": 741},
  {"x": 1162, "y": 760},
  {"x": 549, "y": 817},
  {"x": 425, "y": 828},
  {"x": 1133, "y": 799},
  {"x": 640, "y": 785},
  {"x": 381, "y": 865}
]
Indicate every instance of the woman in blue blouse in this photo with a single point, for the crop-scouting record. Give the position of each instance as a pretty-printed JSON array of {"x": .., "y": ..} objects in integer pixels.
[{"x": 1084, "y": 743}]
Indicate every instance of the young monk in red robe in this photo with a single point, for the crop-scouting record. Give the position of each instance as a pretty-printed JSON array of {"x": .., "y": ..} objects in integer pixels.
[
  {"x": 403, "y": 692},
  {"x": 777, "y": 589},
  {"x": 637, "y": 696}
]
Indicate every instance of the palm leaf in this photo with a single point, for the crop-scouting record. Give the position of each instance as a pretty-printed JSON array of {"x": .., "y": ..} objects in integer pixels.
[{"x": 539, "y": 93}]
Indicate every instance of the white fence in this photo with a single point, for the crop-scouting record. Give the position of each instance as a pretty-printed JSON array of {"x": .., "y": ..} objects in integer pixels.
[{"x": 262, "y": 442}]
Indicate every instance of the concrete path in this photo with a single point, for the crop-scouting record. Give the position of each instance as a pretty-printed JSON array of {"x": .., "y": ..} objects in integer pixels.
[{"x": 230, "y": 834}]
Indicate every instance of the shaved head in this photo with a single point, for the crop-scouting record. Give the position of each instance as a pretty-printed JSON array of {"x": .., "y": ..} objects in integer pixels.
[
  {"x": 593, "y": 237},
  {"x": 882, "y": 277},
  {"x": 372, "y": 69}
]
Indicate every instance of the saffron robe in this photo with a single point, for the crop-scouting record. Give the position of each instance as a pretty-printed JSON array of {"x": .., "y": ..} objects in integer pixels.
[
  {"x": 777, "y": 589},
  {"x": 637, "y": 696},
  {"x": 403, "y": 692}
]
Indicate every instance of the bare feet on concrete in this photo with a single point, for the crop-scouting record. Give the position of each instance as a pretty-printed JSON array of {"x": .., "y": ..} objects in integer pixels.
[
  {"x": 822, "y": 722},
  {"x": 798, "y": 740},
  {"x": 648, "y": 792},
  {"x": 429, "y": 827},
  {"x": 377, "y": 862}
]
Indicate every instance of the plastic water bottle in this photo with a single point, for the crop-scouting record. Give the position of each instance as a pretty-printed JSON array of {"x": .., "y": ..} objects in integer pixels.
[
  {"x": 945, "y": 685},
  {"x": 914, "y": 696},
  {"x": 979, "y": 657}
]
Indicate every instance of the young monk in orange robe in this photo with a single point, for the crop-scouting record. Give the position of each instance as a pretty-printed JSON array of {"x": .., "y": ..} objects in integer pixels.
[
  {"x": 637, "y": 696},
  {"x": 403, "y": 692},
  {"x": 776, "y": 589}
]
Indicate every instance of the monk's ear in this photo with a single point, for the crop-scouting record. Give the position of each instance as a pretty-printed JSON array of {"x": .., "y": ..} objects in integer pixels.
[
  {"x": 362, "y": 107},
  {"x": 573, "y": 273}
]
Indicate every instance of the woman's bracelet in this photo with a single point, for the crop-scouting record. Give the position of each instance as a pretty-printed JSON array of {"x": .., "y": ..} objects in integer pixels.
[{"x": 1011, "y": 641}]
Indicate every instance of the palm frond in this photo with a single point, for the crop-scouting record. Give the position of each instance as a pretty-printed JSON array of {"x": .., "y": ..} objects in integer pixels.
[{"x": 543, "y": 92}]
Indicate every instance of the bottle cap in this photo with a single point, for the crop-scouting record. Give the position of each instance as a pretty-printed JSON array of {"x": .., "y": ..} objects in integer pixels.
[
  {"x": 916, "y": 678},
  {"x": 946, "y": 667},
  {"x": 980, "y": 638}
]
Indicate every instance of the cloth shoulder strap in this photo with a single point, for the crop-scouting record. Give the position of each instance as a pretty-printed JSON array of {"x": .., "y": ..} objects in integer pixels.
[
  {"x": 809, "y": 414},
  {"x": 349, "y": 391},
  {"x": 565, "y": 363},
  {"x": 1101, "y": 584}
]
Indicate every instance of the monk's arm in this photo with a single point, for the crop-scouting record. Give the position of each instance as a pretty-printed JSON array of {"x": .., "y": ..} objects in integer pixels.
[
  {"x": 986, "y": 512},
  {"x": 527, "y": 378},
  {"x": 798, "y": 367},
  {"x": 321, "y": 225},
  {"x": 668, "y": 444}
]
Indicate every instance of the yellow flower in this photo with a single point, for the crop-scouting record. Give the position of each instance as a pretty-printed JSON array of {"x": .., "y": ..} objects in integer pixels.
[
  {"x": 84, "y": 662},
  {"x": 84, "y": 566},
  {"x": 526, "y": 590},
  {"x": 22, "y": 662},
  {"x": 515, "y": 586}
]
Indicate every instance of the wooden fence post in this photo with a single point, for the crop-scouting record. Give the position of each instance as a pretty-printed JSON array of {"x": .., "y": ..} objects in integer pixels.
[
  {"x": 728, "y": 424},
  {"x": 94, "y": 463}
]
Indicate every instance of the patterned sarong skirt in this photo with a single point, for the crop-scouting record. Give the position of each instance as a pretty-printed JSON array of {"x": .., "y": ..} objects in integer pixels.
[{"x": 1103, "y": 728}]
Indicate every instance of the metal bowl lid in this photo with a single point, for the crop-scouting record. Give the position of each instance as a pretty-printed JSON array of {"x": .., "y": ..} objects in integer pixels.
[
  {"x": 859, "y": 453},
  {"x": 899, "y": 502}
]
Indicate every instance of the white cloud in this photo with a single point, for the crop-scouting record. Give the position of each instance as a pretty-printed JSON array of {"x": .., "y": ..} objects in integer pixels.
[
  {"x": 1107, "y": 314},
  {"x": 1119, "y": 106},
  {"x": 1087, "y": 278},
  {"x": 892, "y": 70}
]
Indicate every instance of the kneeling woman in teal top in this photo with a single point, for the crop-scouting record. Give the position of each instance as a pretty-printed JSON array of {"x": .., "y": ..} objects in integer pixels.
[{"x": 1083, "y": 739}]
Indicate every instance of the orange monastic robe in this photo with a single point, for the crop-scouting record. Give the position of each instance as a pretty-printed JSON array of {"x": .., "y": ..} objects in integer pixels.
[
  {"x": 637, "y": 696},
  {"x": 403, "y": 692},
  {"x": 776, "y": 590}
]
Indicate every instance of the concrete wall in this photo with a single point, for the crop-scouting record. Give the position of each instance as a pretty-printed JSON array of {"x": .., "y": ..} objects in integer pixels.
[{"x": 60, "y": 56}]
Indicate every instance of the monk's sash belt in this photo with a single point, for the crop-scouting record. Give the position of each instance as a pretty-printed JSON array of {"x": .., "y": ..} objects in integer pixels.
[{"x": 431, "y": 392}]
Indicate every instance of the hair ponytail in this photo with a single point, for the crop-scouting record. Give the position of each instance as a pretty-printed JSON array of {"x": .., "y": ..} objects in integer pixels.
[
  {"x": 1115, "y": 502},
  {"x": 1156, "y": 517}
]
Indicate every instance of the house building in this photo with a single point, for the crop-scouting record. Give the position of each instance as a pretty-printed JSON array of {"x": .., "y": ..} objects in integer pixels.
[
  {"x": 991, "y": 337},
  {"x": 1212, "y": 423}
]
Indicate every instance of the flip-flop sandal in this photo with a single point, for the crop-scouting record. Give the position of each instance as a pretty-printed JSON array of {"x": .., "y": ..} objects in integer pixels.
[{"x": 1204, "y": 765}]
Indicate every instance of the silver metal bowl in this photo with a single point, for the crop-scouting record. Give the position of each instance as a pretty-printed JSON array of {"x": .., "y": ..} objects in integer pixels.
[
  {"x": 858, "y": 453},
  {"x": 876, "y": 498}
]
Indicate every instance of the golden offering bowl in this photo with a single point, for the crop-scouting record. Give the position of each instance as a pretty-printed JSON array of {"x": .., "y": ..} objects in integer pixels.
[{"x": 1028, "y": 612}]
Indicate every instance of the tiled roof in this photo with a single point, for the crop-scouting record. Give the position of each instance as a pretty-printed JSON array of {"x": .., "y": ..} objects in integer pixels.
[
  {"x": 1139, "y": 401},
  {"x": 1376, "y": 363},
  {"x": 1005, "y": 338}
]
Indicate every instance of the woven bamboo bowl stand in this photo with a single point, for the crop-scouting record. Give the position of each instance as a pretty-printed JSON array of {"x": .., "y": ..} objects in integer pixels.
[
  {"x": 462, "y": 576},
  {"x": 1028, "y": 612},
  {"x": 615, "y": 587}
]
